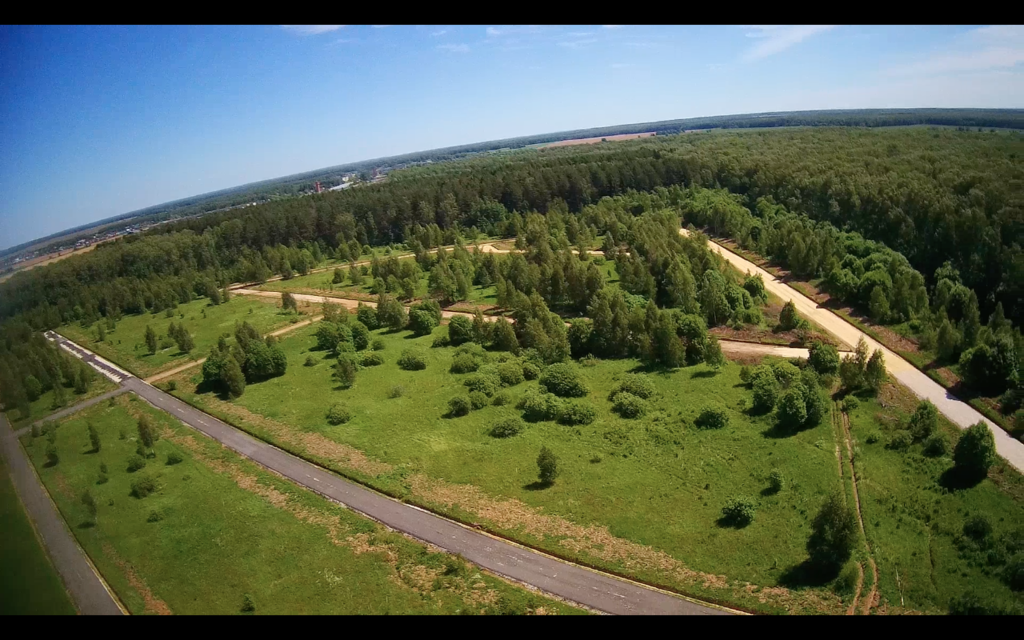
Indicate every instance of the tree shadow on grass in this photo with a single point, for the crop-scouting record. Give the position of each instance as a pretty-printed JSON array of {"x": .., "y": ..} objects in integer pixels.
[
  {"x": 88, "y": 524},
  {"x": 958, "y": 479},
  {"x": 769, "y": 491},
  {"x": 807, "y": 574},
  {"x": 707, "y": 373},
  {"x": 729, "y": 522},
  {"x": 537, "y": 485},
  {"x": 777, "y": 431}
]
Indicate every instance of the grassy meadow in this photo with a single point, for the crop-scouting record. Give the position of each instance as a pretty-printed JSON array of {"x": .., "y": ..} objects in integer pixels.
[
  {"x": 29, "y": 585},
  {"x": 43, "y": 406},
  {"x": 125, "y": 345},
  {"x": 219, "y": 528}
]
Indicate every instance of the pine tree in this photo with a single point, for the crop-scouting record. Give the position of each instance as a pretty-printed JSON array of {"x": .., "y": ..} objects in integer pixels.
[{"x": 151, "y": 342}]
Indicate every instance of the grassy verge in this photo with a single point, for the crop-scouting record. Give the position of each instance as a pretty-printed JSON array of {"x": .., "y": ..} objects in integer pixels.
[
  {"x": 30, "y": 585},
  {"x": 126, "y": 343},
  {"x": 219, "y": 528},
  {"x": 44, "y": 405}
]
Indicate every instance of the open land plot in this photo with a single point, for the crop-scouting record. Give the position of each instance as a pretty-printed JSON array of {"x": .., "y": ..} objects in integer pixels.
[
  {"x": 616, "y": 138},
  {"x": 219, "y": 528},
  {"x": 44, "y": 406},
  {"x": 29, "y": 584},
  {"x": 641, "y": 497},
  {"x": 126, "y": 343}
]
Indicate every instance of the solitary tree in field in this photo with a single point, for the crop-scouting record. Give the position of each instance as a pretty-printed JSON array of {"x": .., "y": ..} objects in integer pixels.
[
  {"x": 788, "y": 318},
  {"x": 339, "y": 276},
  {"x": 833, "y": 534},
  {"x": 184, "y": 339},
  {"x": 547, "y": 465},
  {"x": 94, "y": 438},
  {"x": 288, "y": 302},
  {"x": 975, "y": 451},
  {"x": 101, "y": 333},
  {"x": 147, "y": 434},
  {"x": 151, "y": 339},
  {"x": 90, "y": 505}
]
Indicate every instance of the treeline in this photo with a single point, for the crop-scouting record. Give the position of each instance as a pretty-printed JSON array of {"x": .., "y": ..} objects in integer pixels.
[{"x": 31, "y": 365}]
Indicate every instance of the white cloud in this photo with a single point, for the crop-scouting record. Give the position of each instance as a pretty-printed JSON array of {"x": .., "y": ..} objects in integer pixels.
[
  {"x": 439, "y": 33},
  {"x": 579, "y": 34},
  {"x": 311, "y": 29},
  {"x": 778, "y": 38},
  {"x": 454, "y": 48},
  {"x": 612, "y": 26},
  {"x": 576, "y": 44},
  {"x": 983, "y": 49},
  {"x": 491, "y": 31}
]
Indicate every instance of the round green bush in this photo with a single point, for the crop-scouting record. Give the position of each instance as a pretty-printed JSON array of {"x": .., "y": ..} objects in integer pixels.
[
  {"x": 174, "y": 458},
  {"x": 310, "y": 361},
  {"x": 530, "y": 371},
  {"x": 901, "y": 440},
  {"x": 338, "y": 414},
  {"x": 501, "y": 398},
  {"x": 377, "y": 344},
  {"x": 142, "y": 486},
  {"x": 629, "y": 406},
  {"x": 1013, "y": 572},
  {"x": 977, "y": 527},
  {"x": 459, "y": 406},
  {"x": 712, "y": 418},
  {"x": 485, "y": 384},
  {"x": 396, "y": 391},
  {"x": 738, "y": 512},
  {"x": 478, "y": 400},
  {"x": 564, "y": 381},
  {"x": 850, "y": 403},
  {"x": 537, "y": 406},
  {"x": 775, "y": 481},
  {"x": 371, "y": 359},
  {"x": 507, "y": 428},
  {"x": 936, "y": 445},
  {"x": 575, "y": 412},
  {"x": 440, "y": 341},
  {"x": 135, "y": 462},
  {"x": 464, "y": 363},
  {"x": 637, "y": 384},
  {"x": 412, "y": 360},
  {"x": 510, "y": 374}
]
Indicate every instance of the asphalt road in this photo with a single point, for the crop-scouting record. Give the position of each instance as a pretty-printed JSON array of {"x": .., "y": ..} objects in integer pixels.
[
  {"x": 577, "y": 584},
  {"x": 87, "y": 590},
  {"x": 959, "y": 413}
]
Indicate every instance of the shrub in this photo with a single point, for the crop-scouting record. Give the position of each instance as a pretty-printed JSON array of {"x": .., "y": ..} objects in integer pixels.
[
  {"x": 310, "y": 361},
  {"x": 738, "y": 512},
  {"x": 537, "y": 407},
  {"x": 936, "y": 445},
  {"x": 637, "y": 384},
  {"x": 874, "y": 437},
  {"x": 846, "y": 583},
  {"x": 142, "y": 486},
  {"x": 103, "y": 478},
  {"x": 900, "y": 441},
  {"x": 775, "y": 481},
  {"x": 824, "y": 358},
  {"x": 154, "y": 516},
  {"x": 547, "y": 465},
  {"x": 833, "y": 533},
  {"x": 396, "y": 391},
  {"x": 792, "y": 409},
  {"x": 510, "y": 374},
  {"x": 368, "y": 316},
  {"x": 788, "y": 318},
  {"x": 412, "y": 360},
  {"x": 360, "y": 335},
  {"x": 975, "y": 451},
  {"x": 501, "y": 398},
  {"x": 172, "y": 385},
  {"x": 377, "y": 344},
  {"x": 478, "y": 400},
  {"x": 440, "y": 341},
  {"x": 174, "y": 458},
  {"x": 564, "y": 381},
  {"x": 575, "y": 412},
  {"x": 745, "y": 374},
  {"x": 1013, "y": 572},
  {"x": 629, "y": 406},
  {"x": 924, "y": 421},
  {"x": 421, "y": 322},
  {"x": 850, "y": 403},
  {"x": 712, "y": 418},
  {"x": 248, "y": 605},
  {"x": 507, "y": 428},
  {"x": 372, "y": 359},
  {"x": 459, "y": 406},
  {"x": 338, "y": 414},
  {"x": 530, "y": 371},
  {"x": 485, "y": 384},
  {"x": 460, "y": 330},
  {"x": 51, "y": 454},
  {"x": 977, "y": 528},
  {"x": 464, "y": 363},
  {"x": 766, "y": 392},
  {"x": 135, "y": 463}
]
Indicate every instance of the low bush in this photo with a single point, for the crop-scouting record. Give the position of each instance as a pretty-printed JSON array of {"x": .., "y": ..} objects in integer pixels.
[
  {"x": 485, "y": 384},
  {"x": 135, "y": 463},
  {"x": 396, "y": 391},
  {"x": 775, "y": 481},
  {"x": 501, "y": 398},
  {"x": 310, "y": 361},
  {"x": 936, "y": 445},
  {"x": 412, "y": 360},
  {"x": 874, "y": 437},
  {"x": 154, "y": 516},
  {"x": 849, "y": 404},
  {"x": 507, "y": 427},
  {"x": 378, "y": 344},
  {"x": 629, "y": 406},
  {"x": 510, "y": 374},
  {"x": 371, "y": 359},
  {"x": 530, "y": 371},
  {"x": 338, "y": 414},
  {"x": 172, "y": 385},
  {"x": 537, "y": 407},
  {"x": 634, "y": 383},
  {"x": 977, "y": 528},
  {"x": 478, "y": 400},
  {"x": 712, "y": 418},
  {"x": 142, "y": 486},
  {"x": 576, "y": 412},
  {"x": 459, "y": 406},
  {"x": 738, "y": 512},
  {"x": 564, "y": 381},
  {"x": 174, "y": 458},
  {"x": 900, "y": 441},
  {"x": 440, "y": 341},
  {"x": 1013, "y": 572},
  {"x": 464, "y": 363}
]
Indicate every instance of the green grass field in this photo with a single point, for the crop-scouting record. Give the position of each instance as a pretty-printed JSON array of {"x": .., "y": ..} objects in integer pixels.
[
  {"x": 126, "y": 344},
  {"x": 219, "y": 527},
  {"x": 657, "y": 482},
  {"x": 30, "y": 585}
]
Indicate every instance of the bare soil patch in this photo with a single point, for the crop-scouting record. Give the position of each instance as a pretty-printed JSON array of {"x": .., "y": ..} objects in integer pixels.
[
  {"x": 153, "y": 604},
  {"x": 616, "y": 138}
]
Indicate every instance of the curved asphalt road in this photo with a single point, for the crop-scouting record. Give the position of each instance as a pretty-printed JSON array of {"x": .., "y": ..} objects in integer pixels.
[{"x": 590, "y": 588}]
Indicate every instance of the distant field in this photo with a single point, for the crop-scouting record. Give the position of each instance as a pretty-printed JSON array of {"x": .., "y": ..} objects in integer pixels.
[
  {"x": 219, "y": 527},
  {"x": 126, "y": 343},
  {"x": 49, "y": 258},
  {"x": 624, "y": 136},
  {"x": 29, "y": 585}
]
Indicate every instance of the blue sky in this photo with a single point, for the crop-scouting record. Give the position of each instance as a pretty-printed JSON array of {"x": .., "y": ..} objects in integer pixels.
[{"x": 98, "y": 121}]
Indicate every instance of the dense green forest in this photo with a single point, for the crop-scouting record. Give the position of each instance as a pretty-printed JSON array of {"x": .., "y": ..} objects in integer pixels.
[{"x": 909, "y": 224}]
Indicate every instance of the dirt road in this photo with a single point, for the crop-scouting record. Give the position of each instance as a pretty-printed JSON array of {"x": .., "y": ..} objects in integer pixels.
[{"x": 959, "y": 413}]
